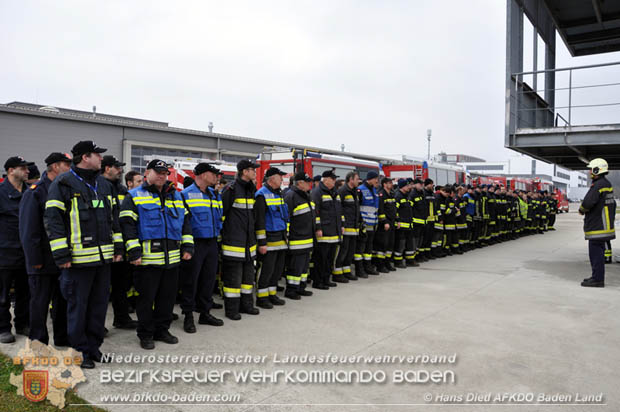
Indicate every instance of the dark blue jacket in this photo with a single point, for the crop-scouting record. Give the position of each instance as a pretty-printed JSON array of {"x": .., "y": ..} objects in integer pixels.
[
  {"x": 11, "y": 253},
  {"x": 32, "y": 231}
]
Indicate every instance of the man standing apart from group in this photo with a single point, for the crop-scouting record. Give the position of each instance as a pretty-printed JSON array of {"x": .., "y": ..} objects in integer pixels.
[{"x": 599, "y": 208}]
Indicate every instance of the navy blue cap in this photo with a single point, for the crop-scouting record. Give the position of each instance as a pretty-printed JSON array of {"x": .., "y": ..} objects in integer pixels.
[{"x": 372, "y": 175}]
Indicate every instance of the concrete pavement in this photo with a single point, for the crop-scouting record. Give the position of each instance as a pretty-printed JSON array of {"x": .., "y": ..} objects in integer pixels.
[{"x": 514, "y": 314}]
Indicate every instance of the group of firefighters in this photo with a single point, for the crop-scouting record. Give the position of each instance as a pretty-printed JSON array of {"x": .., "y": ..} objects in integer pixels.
[{"x": 78, "y": 238}]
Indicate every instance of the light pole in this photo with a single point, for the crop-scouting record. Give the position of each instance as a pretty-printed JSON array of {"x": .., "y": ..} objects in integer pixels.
[{"x": 429, "y": 132}]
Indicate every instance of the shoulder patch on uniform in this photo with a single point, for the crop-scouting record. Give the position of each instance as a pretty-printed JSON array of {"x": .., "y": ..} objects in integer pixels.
[{"x": 33, "y": 186}]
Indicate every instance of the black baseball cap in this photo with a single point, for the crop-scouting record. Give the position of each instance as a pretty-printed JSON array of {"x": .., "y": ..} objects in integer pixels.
[
  {"x": 329, "y": 173},
  {"x": 246, "y": 164},
  {"x": 205, "y": 167},
  {"x": 86, "y": 146},
  {"x": 301, "y": 176},
  {"x": 110, "y": 160},
  {"x": 16, "y": 161},
  {"x": 428, "y": 182},
  {"x": 316, "y": 178},
  {"x": 158, "y": 165},
  {"x": 57, "y": 157},
  {"x": 33, "y": 172},
  {"x": 274, "y": 171}
]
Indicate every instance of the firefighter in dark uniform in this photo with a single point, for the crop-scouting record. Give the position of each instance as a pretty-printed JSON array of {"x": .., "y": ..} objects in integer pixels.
[
  {"x": 329, "y": 229},
  {"x": 427, "y": 238},
  {"x": 85, "y": 238},
  {"x": 42, "y": 271},
  {"x": 271, "y": 232},
  {"x": 385, "y": 238},
  {"x": 157, "y": 234},
  {"x": 301, "y": 236},
  {"x": 599, "y": 208},
  {"x": 493, "y": 216},
  {"x": 461, "y": 218},
  {"x": 404, "y": 220},
  {"x": 420, "y": 214},
  {"x": 369, "y": 205},
  {"x": 198, "y": 281},
  {"x": 349, "y": 199},
  {"x": 553, "y": 211},
  {"x": 239, "y": 242},
  {"x": 450, "y": 216},
  {"x": 439, "y": 238},
  {"x": 112, "y": 170},
  {"x": 12, "y": 262},
  {"x": 544, "y": 210}
]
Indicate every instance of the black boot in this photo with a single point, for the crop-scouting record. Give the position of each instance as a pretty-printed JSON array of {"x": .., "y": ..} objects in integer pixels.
[
  {"x": 382, "y": 268},
  {"x": 359, "y": 270},
  {"x": 247, "y": 304},
  {"x": 369, "y": 268},
  {"x": 188, "y": 323},
  {"x": 592, "y": 283},
  {"x": 400, "y": 264},
  {"x": 389, "y": 266},
  {"x": 350, "y": 276},
  {"x": 231, "y": 308},
  {"x": 292, "y": 294},
  {"x": 208, "y": 319},
  {"x": 264, "y": 302},
  {"x": 276, "y": 301},
  {"x": 340, "y": 279}
]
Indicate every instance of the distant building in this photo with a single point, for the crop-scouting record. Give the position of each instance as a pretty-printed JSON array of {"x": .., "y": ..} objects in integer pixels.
[{"x": 443, "y": 157}]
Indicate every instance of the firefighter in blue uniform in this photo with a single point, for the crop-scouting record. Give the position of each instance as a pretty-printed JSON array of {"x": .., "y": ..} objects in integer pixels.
[
  {"x": 239, "y": 242},
  {"x": 12, "y": 262},
  {"x": 157, "y": 234},
  {"x": 85, "y": 238},
  {"x": 369, "y": 206},
  {"x": 470, "y": 217},
  {"x": 599, "y": 208},
  {"x": 205, "y": 207},
  {"x": 43, "y": 273},
  {"x": 272, "y": 221}
]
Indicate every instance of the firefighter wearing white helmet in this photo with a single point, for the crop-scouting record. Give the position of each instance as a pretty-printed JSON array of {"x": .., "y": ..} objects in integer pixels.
[{"x": 599, "y": 208}]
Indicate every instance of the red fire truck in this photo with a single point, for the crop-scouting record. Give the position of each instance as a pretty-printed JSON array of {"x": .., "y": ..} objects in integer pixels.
[
  {"x": 312, "y": 163},
  {"x": 440, "y": 173},
  {"x": 183, "y": 167}
]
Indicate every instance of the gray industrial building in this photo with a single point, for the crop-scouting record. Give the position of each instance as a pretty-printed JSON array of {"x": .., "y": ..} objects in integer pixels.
[
  {"x": 550, "y": 114},
  {"x": 33, "y": 131}
]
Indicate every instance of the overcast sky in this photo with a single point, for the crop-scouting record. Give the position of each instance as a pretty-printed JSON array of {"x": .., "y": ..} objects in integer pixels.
[{"x": 374, "y": 75}]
